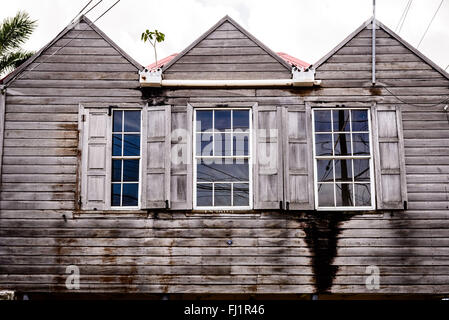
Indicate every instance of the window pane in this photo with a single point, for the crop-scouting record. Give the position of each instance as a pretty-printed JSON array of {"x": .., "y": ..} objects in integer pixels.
[
  {"x": 117, "y": 121},
  {"x": 362, "y": 195},
  {"x": 342, "y": 144},
  {"x": 240, "y": 120},
  {"x": 222, "y": 120},
  {"x": 359, "y": 120},
  {"x": 116, "y": 170},
  {"x": 130, "y": 194},
  {"x": 222, "y": 194},
  {"x": 204, "y": 144},
  {"x": 343, "y": 195},
  {"x": 132, "y": 121},
  {"x": 223, "y": 170},
  {"x": 132, "y": 145},
  {"x": 130, "y": 170},
  {"x": 241, "y": 194},
  {"x": 326, "y": 195},
  {"x": 361, "y": 143},
  {"x": 116, "y": 144},
  {"x": 323, "y": 144},
  {"x": 341, "y": 120},
  {"x": 343, "y": 170},
  {"x": 325, "y": 170},
  {"x": 322, "y": 120},
  {"x": 203, "y": 120},
  {"x": 241, "y": 144},
  {"x": 223, "y": 144},
  {"x": 204, "y": 194},
  {"x": 115, "y": 195},
  {"x": 361, "y": 169}
]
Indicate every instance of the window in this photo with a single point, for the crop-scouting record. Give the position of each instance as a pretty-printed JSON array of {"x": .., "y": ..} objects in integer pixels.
[
  {"x": 343, "y": 159},
  {"x": 126, "y": 154},
  {"x": 222, "y": 153}
]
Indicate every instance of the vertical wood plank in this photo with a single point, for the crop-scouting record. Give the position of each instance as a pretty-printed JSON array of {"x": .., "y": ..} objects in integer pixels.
[{"x": 2, "y": 126}]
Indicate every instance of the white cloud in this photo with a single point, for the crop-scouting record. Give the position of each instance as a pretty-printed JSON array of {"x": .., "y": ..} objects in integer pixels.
[{"x": 307, "y": 29}]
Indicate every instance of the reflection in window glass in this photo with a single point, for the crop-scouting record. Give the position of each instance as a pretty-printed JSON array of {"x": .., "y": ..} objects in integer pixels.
[
  {"x": 222, "y": 158},
  {"x": 342, "y": 154},
  {"x": 125, "y": 158}
]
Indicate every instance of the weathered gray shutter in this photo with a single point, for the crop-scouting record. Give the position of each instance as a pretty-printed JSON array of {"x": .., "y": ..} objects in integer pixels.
[
  {"x": 156, "y": 157},
  {"x": 181, "y": 154},
  {"x": 267, "y": 157},
  {"x": 298, "y": 168},
  {"x": 95, "y": 128},
  {"x": 389, "y": 158}
]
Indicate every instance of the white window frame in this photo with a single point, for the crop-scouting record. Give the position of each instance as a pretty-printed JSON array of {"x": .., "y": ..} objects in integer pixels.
[
  {"x": 371, "y": 161},
  {"x": 249, "y": 158},
  {"x": 139, "y": 194}
]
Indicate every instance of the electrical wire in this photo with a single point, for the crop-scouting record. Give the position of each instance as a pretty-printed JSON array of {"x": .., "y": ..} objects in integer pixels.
[
  {"x": 402, "y": 16},
  {"x": 405, "y": 17},
  {"x": 428, "y": 26},
  {"x": 81, "y": 10},
  {"x": 415, "y": 105}
]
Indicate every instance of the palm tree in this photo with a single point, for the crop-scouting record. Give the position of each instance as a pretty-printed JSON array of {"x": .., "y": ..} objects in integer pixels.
[{"x": 14, "y": 31}]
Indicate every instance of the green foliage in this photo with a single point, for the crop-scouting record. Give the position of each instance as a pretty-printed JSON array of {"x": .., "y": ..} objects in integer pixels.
[
  {"x": 153, "y": 37},
  {"x": 14, "y": 31}
]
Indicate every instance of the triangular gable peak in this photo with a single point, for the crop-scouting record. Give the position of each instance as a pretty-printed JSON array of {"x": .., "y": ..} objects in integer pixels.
[
  {"x": 76, "y": 35},
  {"x": 227, "y": 51},
  {"x": 387, "y": 41}
]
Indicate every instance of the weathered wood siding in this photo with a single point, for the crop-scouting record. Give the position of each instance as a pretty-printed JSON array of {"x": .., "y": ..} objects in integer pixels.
[{"x": 187, "y": 252}]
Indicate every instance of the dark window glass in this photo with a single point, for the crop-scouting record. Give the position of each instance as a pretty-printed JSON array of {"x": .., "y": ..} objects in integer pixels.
[
  {"x": 343, "y": 195},
  {"x": 359, "y": 120},
  {"x": 132, "y": 121},
  {"x": 322, "y": 121},
  {"x": 116, "y": 193},
  {"x": 325, "y": 170},
  {"x": 222, "y": 120},
  {"x": 117, "y": 122},
  {"x": 223, "y": 170},
  {"x": 342, "y": 143},
  {"x": 204, "y": 144},
  {"x": 362, "y": 194},
  {"x": 203, "y": 120},
  {"x": 343, "y": 170},
  {"x": 222, "y": 194},
  {"x": 241, "y": 144},
  {"x": 326, "y": 195},
  {"x": 241, "y": 194},
  {"x": 240, "y": 120},
  {"x": 361, "y": 143},
  {"x": 130, "y": 194},
  {"x": 132, "y": 145},
  {"x": 223, "y": 144},
  {"x": 116, "y": 170},
  {"x": 341, "y": 120},
  {"x": 204, "y": 194},
  {"x": 361, "y": 170},
  {"x": 116, "y": 144},
  {"x": 323, "y": 144},
  {"x": 130, "y": 170}
]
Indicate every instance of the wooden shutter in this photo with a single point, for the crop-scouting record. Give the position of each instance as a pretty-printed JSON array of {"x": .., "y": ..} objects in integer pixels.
[
  {"x": 95, "y": 128},
  {"x": 156, "y": 157},
  {"x": 298, "y": 168},
  {"x": 389, "y": 158},
  {"x": 181, "y": 154},
  {"x": 267, "y": 158}
]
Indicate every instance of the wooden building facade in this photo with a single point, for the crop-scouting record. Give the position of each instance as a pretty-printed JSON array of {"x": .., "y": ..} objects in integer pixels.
[{"x": 382, "y": 228}]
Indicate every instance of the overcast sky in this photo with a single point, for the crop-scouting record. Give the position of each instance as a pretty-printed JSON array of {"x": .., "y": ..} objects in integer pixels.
[{"x": 306, "y": 29}]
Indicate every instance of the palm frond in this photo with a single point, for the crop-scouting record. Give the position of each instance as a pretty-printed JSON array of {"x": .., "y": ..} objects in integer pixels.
[
  {"x": 14, "y": 31},
  {"x": 12, "y": 60}
]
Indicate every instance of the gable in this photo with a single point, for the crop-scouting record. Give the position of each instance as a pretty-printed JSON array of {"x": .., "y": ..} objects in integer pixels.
[
  {"x": 80, "y": 47},
  {"x": 225, "y": 52}
]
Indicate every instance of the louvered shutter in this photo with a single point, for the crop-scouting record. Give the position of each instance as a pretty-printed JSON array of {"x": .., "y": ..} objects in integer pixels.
[
  {"x": 391, "y": 184},
  {"x": 156, "y": 157},
  {"x": 95, "y": 128},
  {"x": 298, "y": 168},
  {"x": 267, "y": 157}
]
